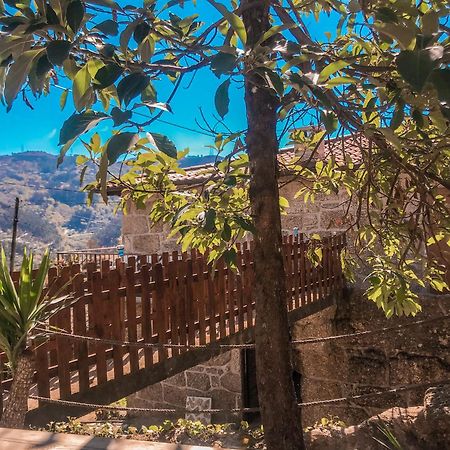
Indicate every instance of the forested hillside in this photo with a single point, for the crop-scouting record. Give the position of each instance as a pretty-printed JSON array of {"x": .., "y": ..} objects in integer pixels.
[{"x": 53, "y": 212}]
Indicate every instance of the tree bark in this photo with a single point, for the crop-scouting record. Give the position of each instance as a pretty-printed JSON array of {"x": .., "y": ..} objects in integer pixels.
[
  {"x": 17, "y": 403},
  {"x": 280, "y": 414}
]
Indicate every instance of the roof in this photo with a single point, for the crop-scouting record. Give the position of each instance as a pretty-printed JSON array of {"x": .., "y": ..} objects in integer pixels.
[{"x": 340, "y": 148}]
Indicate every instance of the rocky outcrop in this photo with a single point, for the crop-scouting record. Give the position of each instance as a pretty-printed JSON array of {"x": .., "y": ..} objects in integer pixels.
[{"x": 424, "y": 427}]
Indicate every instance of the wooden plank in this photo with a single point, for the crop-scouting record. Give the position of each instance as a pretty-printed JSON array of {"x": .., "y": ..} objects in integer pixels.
[
  {"x": 132, "y": 315},
  {"x": 79, "y": 325},
  {"x": 248, "y": 299},
  {"x": 146, "y": 313},
  {"x": 99, "y": 330},
  {"x": 239, "y": 291},
  {"x": 191, "y": 304},
  {"x": 117, "y": 319},
  {"x": 231, "y": 297},
  {"x": 221, "y": 299},
  {"x": 159, "y": 298},
  {"x": 105, "y": 269},
  {"x": 211, "y": 303},
  {"x": 200, "y": 269},
  {"x": 63, "y": 345},
  {"x": 296, "y": 276},
  {"x": 181, "y": 302},
  {"x": 172, "y": 296},
  {"x": 302, "y": 269},
  {"x": 42, "y": 364}
]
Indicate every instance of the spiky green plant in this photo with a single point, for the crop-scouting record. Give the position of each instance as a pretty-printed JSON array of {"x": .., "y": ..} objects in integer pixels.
[{"x": 23, "y": 307}]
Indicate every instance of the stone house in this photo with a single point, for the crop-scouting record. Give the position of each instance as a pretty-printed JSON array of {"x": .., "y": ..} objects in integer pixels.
[
  {"x": 325, "y": 216},
  {"x": 328, "y": 370}
]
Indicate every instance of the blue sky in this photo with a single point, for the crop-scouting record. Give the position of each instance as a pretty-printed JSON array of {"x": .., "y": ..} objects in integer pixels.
[{"x": 38, "y": 129}]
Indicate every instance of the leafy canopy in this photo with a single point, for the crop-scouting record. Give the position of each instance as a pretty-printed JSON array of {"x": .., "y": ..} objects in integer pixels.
[{"x": 381, "y": 73}]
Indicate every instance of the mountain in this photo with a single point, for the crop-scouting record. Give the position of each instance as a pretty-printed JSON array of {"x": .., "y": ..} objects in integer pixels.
[{"x": 53, "y": 213}]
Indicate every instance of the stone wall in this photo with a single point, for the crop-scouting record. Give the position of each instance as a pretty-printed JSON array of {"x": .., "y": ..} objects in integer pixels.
[
  {"x": 324, "y": 216},
  {"x": 367, "y": 364},
  {"x": 330, "y": 369},
  {"x": 219, "y": 379}
]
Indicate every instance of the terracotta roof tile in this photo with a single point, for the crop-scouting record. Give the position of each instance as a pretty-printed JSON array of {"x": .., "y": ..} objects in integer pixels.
[{"x": 339, "y": 148}]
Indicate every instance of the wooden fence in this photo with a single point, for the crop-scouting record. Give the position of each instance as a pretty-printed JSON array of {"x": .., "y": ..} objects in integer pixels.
[{"x": 169, "y": 298}]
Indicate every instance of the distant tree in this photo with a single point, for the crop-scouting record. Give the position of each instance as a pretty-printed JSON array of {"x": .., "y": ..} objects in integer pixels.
[{"x": 383, "y": 72}]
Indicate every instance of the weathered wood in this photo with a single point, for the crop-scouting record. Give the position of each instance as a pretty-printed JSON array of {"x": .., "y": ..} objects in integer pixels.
[
  {"x": 159, "y": 308},
  {"x": 117, "y": 319},
  {"x": 131, "y": 314},
  {"x": 99, "y": 329},
  {"x": 183, "y": 301},
  {"x": 79, "y": 325},
  {"x": 64, "y": 345}
]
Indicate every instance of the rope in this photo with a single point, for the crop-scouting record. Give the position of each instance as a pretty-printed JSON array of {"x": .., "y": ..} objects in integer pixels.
[
  {"x": 114, "y": 342},
  {"x": 94, "y": 406}
]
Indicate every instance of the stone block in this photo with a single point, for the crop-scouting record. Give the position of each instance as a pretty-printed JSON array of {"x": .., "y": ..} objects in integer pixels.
[
  {"x": 128, "y": 243},
  {"x": 198, "y": 380},
  {"x": 289, "y": 222},
  {"x": 146, "y": 244},
  {"x": 177, "y": 380},
  {"x": 231, "y": 382},
  {"x": 310, "y": 222},
  {"x": 174, "y": 395},
  {"x": 135, "y": 225},
  {"x": 220, "y": 360},
  {"x": 151, "y": 393}
]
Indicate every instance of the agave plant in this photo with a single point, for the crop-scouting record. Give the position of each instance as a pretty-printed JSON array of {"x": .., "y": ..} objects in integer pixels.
[{"x": 23, "y": 307}]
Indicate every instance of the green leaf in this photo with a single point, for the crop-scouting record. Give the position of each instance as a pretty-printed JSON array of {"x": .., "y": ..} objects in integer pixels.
[
  {"x": 223, "y": 63},
  {"x": 245, "y": 224},
  {"x": 386, "y": 15},
  {"x": 430, "y": 23},
  {"x": 81, "y": 85},
  {"x": 107, "y": 75},
  {"x": 78, "y": 124},
  {"x": 405, "y": 36},
  {"x": 58, "y": 51},
  {"x": 338, "y": 81},
  {"x": 226, "y": 232},
  {"x": 43, "y": 66},
  {"x": 222, "y": 98},
  {"x": 120, "y": 117},
  {"x": 119, "y": 144},
  {"x": 331, "y": 69},
  {"x": 416, "y": 66},
  {"x": 441, "y": 81},
  {"x": 329, "y": 119},
  {"x": 230, "y": 256},
  {"x": 131, "y": 86},
  {"x": 17, "y": 74},
  {"x": 75, "y": 14},
  {"x": 234, "y": 21},
  {"x": 141, "y": 32},
  {"x": 105, "y": 3},
  {"x": 209, "y": 224},
  {"x": 163, "y": 144},
  {"x": 63, "y": 99},
  {"x": 109, "y": 27}
]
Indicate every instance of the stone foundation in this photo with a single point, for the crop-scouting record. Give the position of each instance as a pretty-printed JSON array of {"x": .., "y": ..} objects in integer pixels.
[
  {"x": 342, "y": 368},
  {"x": 219, "y": 379},
  {"x": 330, "y": 369}
]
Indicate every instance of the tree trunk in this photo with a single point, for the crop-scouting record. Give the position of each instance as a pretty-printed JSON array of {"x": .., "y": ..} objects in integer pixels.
[
  {"x": 280, "y": 414},
  {"x": 17, "y": 403}
]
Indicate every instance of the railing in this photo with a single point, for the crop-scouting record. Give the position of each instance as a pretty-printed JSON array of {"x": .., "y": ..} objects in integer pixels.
[
  {"x": 83, "y": 257},
  {"x": 169, "y": 298}
]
